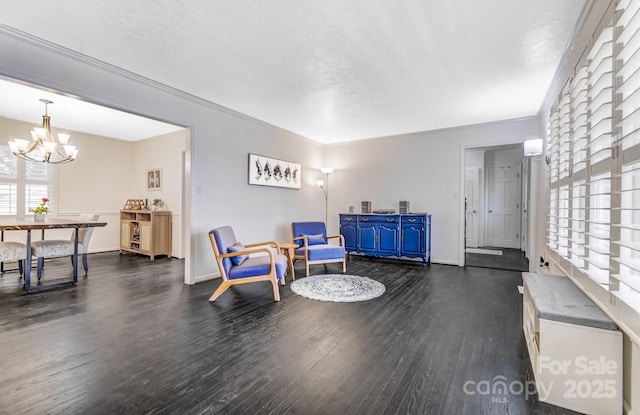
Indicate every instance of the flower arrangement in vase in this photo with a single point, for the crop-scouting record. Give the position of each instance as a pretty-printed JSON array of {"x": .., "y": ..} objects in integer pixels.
[{"x": 41, "y": 210}]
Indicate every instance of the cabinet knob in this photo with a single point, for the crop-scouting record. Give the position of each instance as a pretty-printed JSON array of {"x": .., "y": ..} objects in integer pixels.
[
  {"x": 412, "y": 220},
  {"x": 365, "y": 219},
  {"x": 389, "y": 220}
]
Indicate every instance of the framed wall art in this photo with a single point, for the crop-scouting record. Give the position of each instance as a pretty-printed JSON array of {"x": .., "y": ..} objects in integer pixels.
[
  {"x": 267, "y": 171},
  {"x": 154, "y": 179}
]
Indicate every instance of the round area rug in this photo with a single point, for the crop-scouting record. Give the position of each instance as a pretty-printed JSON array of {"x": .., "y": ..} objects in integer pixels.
[{"x": 338, "y": 288}]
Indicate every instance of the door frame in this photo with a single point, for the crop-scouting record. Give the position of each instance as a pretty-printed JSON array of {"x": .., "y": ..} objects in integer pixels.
[
  {"x": 461, "y": 187},
  {"x": 479, "y": 175}
]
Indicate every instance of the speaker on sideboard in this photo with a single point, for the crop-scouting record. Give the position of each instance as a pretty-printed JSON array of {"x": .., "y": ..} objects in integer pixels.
[
  {"x": 404, "y": 207},
  {"x": 366, "y": 207}
]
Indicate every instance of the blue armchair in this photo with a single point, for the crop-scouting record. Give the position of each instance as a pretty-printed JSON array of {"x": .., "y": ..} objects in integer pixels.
[
  {"x": 314, "y": 247},
  {"x": 237, "y": 267}
]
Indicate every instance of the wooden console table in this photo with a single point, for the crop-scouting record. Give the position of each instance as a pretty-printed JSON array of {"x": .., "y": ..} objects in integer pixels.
[{"x": 146, "y": 232}]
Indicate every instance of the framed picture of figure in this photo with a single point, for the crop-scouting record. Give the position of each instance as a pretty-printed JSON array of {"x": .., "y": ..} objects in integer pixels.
[{"x": 154, "y": 179}]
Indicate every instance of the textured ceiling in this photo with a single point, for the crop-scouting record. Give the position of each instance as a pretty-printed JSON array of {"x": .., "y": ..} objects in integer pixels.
[{"x": 330, "y": 70}]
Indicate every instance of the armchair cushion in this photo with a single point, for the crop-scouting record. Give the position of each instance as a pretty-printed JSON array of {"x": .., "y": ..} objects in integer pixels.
[
  {"x": 317, "y": 239},
  {"x": 258, "y": 266},
  {"x": 320, "y": 252},
  {"x": 308, "y": 228},
  {"x": 237, "y": 247}
]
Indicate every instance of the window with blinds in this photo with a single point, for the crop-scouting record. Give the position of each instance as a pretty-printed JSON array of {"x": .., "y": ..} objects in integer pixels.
[
  {"x": 552, "y": 154},
  {"x": 579, "y": 126},
  {"x": 22, "y": 184},
  {"x": 625, "y": 269},
  {"x": 599, "y": 224},
  {"x": 8, "y": 182},
  {"x": 594, "y": 162},
  {"x": 579, "y": 152},
  {"x": 578, "y": 224},
  {"x": 600, "y": 132}
]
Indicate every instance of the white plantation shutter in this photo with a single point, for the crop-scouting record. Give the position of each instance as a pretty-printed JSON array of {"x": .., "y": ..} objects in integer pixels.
[
  {"x": 552, "y": 152},
  {"x": 8, "y": 182},
  {"x": 625, "y": 270},
  {"x": 600, "y": 133},
  {"x": 598, "y": 228},
  {"x": 594, "y": 177},
  {"x": 22, "y": 184},
  {"x": 578, "y": 224},
  {"x": 37, "y": 183},
  {"x": 579, "y": 125},
  {"x": 563, "y": 221},
  {"x": 579, "y": 153}
]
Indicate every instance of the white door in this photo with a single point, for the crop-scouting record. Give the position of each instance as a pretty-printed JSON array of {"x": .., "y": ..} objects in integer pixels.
[
  {"x": 472, "y": 199},
  {"x": 503, "y": 206}
]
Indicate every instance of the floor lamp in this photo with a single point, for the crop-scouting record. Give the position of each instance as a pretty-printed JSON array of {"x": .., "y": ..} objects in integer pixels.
[{"x": 324, "y": 185}]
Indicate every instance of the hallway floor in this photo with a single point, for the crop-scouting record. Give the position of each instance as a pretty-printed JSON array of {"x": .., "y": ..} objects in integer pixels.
[{"x": 511, "y": 259}]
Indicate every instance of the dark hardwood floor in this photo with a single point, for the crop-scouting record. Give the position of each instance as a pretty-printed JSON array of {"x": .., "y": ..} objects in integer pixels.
[
  {"x": 132, "y": 338},
  {"x": 511, "y": 259}
]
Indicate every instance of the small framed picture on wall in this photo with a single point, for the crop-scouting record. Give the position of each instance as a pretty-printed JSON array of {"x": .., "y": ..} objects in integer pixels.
[{"x": 154, "y": 179}]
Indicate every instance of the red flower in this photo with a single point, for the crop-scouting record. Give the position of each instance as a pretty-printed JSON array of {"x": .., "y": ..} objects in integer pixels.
[{"x": 45, "y": 199}]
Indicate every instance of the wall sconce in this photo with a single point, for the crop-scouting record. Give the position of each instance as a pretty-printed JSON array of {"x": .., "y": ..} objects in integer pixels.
[
  {"x": 533, "y": 148},
  {"x": 324, "y": 185}
]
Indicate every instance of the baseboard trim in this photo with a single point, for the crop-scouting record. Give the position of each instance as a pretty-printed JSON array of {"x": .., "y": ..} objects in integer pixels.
[{"x": 207, "y": 277}]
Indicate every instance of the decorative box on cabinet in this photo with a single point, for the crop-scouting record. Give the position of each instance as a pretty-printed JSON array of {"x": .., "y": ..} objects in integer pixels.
[
  {"x": 574, "y": 347},
  {"x": 145, "y": 232},
  {"x": 388, "y": 235}
]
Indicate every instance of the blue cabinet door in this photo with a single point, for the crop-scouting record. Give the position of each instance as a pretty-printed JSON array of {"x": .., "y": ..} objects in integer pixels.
[
  {"x": 413, "y": 240},
  {"x": 389, "y": 238},
  {"x": 367, "y": 238},
  {"x": 348, "y": 230}
]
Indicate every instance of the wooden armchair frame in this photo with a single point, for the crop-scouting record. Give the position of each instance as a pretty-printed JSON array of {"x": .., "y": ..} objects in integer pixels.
[
  {"x": 226, "y": 282},
  {"x": 305, "y": 257}
]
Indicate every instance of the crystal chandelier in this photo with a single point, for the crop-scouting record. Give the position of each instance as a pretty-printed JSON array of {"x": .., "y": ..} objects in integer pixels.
[{"x": 43, "y": 147}]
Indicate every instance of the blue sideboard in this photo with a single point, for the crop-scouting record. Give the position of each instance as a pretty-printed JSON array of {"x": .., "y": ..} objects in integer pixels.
[{"x": 388, "y": 235}]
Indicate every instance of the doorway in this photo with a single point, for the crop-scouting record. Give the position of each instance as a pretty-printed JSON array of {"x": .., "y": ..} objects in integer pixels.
[
  {"x": 156, "y": 143},
  {"x": 503, "y": 206},
  {"x": 493, "y": 210}
]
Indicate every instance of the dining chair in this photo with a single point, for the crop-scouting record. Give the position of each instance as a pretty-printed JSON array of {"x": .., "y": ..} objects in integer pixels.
[
  {"x": 12, "y": 251},
  {"x": 54, "y": 248}
]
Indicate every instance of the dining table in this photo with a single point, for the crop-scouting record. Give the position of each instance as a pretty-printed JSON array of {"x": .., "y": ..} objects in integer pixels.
[{"x": 28, "y": 225}]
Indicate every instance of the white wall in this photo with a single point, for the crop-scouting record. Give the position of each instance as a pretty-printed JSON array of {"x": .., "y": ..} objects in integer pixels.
[
  {"x": 424, "y": 168},
  {"x": 164, "y": 152}
]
